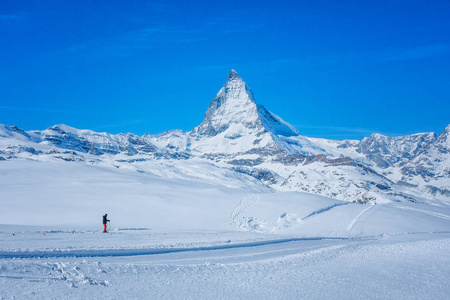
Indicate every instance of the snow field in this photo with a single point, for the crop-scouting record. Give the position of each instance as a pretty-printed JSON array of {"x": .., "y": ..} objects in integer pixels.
[
  {"x": 387, "y": 268},
  {"x": 178, "y": 237}
]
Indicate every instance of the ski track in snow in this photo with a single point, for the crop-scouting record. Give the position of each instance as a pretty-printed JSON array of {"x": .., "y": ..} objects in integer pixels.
[
  {"x": 74, "y": 275},
  {"x": 405, "y": 267},
  {"x": 57, "y": 271},
  {"x": 240, "y": 208},
  {"x": 152, "y": 251},
  {"x": 322, "y": 210},
  {"x": 431, "y": 213},
  {"x": 353, "y": 222}
]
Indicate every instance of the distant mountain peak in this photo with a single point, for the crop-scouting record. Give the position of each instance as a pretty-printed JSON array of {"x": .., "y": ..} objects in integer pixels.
[
  {"x": 444, "y": 140},
  {"x": 233, "y": 75},
  {"x": 234, "y": 108}
]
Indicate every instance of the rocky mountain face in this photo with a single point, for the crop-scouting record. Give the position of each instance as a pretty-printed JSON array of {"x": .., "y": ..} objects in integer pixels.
[
  {"x": 392, "y": 151},
  {"x": 246, "y": 139},
  {"x": 430, "y": 169}
]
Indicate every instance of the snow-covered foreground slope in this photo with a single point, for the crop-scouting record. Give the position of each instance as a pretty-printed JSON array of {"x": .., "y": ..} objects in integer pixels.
[
  {"x": 207, "y": 235},
  {"x": 57, "y": 193},
  {"x": 414, "y": 266}
]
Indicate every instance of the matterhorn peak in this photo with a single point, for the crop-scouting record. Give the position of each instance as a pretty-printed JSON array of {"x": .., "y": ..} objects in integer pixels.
[
  {"x": 233, "y": 75},
  {"x": 234, "y": 108}
]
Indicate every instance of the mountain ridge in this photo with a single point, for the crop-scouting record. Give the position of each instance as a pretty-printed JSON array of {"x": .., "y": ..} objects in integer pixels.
[{"x": 241, "y": 136}]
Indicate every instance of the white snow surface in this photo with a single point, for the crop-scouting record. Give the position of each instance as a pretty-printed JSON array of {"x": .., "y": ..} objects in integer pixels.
[{"x": 174, "y": 236}]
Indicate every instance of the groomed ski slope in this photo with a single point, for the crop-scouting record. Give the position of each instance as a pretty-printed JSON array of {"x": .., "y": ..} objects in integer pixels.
[{"x": 180, "y": 237}]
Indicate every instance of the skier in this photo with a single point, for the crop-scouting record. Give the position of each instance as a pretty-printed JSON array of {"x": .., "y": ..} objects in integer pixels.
[{"x": 105, "y": 220}]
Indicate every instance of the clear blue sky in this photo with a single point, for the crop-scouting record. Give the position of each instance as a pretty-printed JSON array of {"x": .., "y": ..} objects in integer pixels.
[{"x": 333, "y": 69}]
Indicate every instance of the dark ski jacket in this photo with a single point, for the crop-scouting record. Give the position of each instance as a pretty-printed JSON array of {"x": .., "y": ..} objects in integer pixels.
[{"x": 105, "y": 219}]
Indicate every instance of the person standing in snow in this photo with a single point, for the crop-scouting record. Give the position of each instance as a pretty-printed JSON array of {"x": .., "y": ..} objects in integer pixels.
[{"x": 105, "y": 220}]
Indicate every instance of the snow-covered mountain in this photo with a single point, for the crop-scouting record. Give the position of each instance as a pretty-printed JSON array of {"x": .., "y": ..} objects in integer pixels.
[
  {"x": 234, "y": 123},
  {"x": 235, "y": 112},
  {"x": 253, "y": 146},
  {"x": 429, "y": 170},
  {"x": 387, "y": 151}
]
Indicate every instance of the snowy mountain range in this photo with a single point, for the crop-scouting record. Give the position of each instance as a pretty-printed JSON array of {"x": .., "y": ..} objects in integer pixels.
[{"x": 253, "y": 146}]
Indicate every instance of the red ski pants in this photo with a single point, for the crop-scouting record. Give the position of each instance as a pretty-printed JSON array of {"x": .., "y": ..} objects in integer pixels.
[{"x": 104, "y": 227}]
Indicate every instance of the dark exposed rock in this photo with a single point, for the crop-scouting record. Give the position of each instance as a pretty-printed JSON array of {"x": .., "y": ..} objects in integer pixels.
[
  {"x": 69, "y": 158},
  {"x": 264, "y": 175},
  {"x": 132, "y": 160},
  {"x": 233, "y": 75},
  {"x": 341, "y": 161},
  {"x": 246, "y": 162},
  {"x": 406, "y": 184},
  {"x": 437, "y": 191},
  {"x": 290, "y": 159},
  {"x": 21, "y": 149}
]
